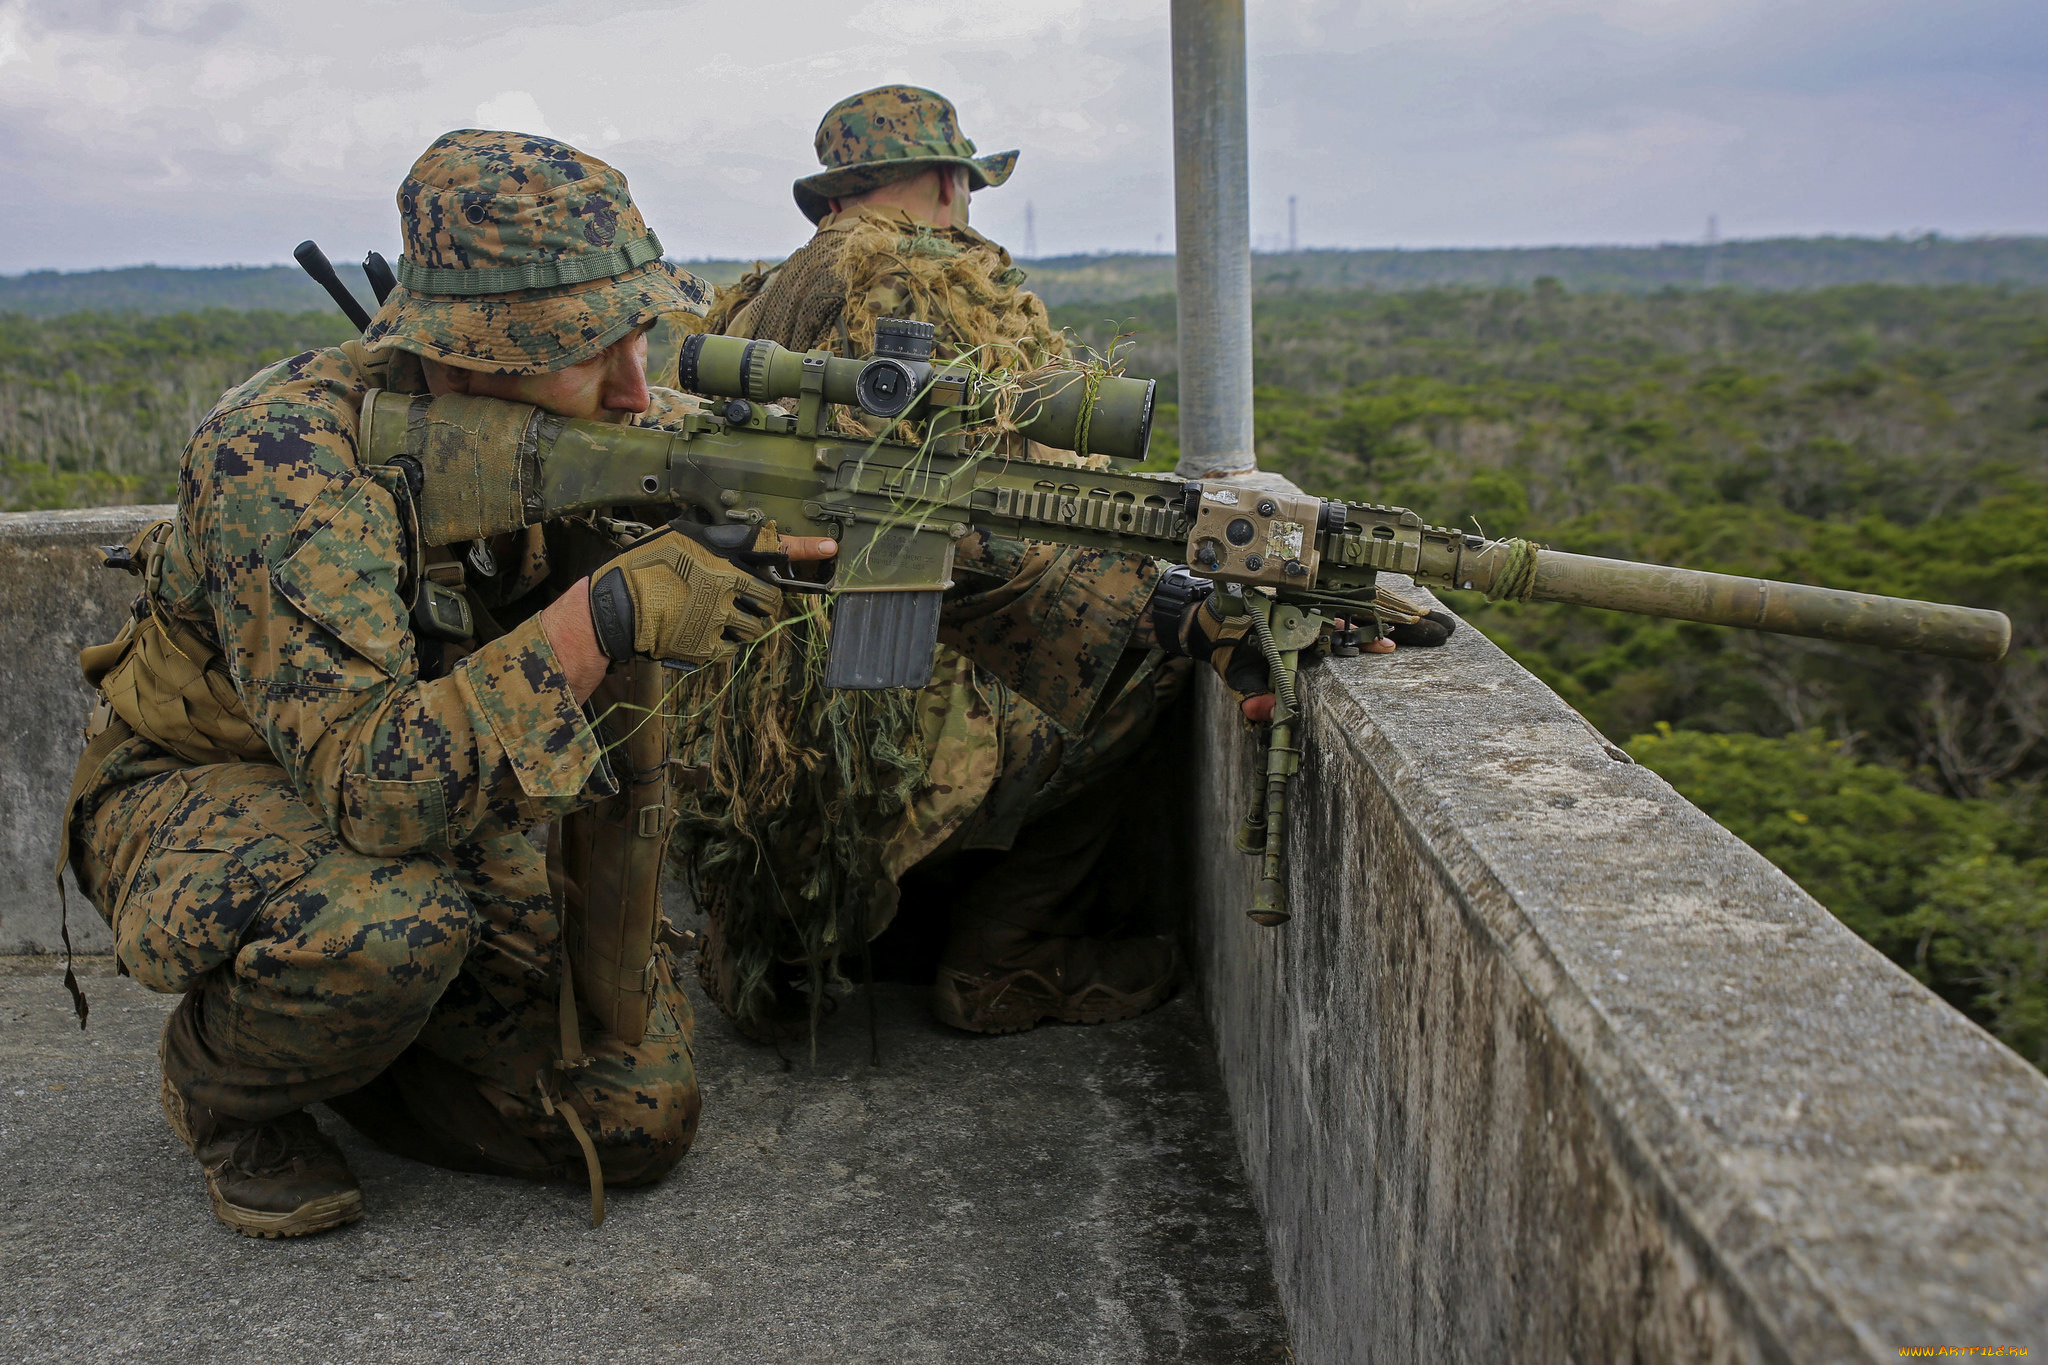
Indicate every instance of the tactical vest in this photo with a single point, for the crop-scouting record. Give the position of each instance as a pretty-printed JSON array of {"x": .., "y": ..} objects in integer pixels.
[{"x": 164, "y": 681}]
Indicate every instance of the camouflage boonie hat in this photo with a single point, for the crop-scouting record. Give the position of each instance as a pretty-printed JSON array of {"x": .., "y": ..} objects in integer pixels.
[
  {"x": 522, "y": 255},
  {"x": 879, "y": 135}
]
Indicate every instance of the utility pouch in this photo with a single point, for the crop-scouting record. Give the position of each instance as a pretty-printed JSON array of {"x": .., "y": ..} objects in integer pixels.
[
  {"x": 163, "y": 679},
  {"x": 611, "y": 854}
]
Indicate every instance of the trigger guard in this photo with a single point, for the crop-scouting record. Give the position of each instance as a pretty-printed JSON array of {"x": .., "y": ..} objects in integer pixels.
[
  {"x": 732, "y": 542},
  {"x": 769, "y": 566}
]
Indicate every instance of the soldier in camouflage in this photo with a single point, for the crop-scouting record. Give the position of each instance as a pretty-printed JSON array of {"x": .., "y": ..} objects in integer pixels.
[
  {"x": 317, "y": 831},
  {"x": 892, "y": 240},
  {"x": 1024, "y": 753}
]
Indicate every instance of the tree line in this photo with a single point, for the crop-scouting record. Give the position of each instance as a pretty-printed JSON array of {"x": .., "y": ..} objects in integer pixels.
[{"x": 1758, "y": 263}]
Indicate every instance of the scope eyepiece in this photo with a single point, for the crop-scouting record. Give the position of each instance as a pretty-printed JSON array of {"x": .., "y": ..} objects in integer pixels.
[{"x": 686, "y": 364}]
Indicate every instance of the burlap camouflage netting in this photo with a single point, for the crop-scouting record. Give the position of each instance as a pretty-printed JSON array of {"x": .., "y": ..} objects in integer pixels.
[
  {"x": 784, "y": 843},
  {"x": 868, "y": 263}
]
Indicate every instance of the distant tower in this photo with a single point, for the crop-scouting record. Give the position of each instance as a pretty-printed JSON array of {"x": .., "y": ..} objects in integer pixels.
[
  {"x": 1711, "y": 275},
  {"x": 1030, "y": 232},
  {"x": 1293, "y": 241}
]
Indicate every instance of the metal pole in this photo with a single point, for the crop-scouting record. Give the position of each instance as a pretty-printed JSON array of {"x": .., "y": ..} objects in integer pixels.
[{"x": 1212, "y": 241}]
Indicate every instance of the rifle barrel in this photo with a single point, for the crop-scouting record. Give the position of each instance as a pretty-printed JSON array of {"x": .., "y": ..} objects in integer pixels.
[{"x": 1761, "y": 604}]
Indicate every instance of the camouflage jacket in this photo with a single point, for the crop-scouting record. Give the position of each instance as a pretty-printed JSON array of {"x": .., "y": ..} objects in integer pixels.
[{"x": 288, "y": 555}]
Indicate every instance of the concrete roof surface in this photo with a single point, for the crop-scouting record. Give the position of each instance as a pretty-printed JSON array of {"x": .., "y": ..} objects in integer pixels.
[{"x": 1070, "y": 1195}]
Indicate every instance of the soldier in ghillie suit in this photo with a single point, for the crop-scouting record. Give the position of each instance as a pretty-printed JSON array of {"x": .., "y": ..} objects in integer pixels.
[
  {"x": 817, "y": 804},
  {"x": 892, "y": 240},
  {"x": 305, "y": 806}
]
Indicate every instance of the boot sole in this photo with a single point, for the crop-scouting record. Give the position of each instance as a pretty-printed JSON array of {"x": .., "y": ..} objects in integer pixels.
[
  {"x": 315, "y": 1215},
  {"x": 952, "y": 991}
]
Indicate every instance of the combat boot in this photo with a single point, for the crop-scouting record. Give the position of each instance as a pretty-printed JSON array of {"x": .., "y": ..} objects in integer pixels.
[
  {"x": 279, "y": 1178},
  {"x": 1000, "y": 978}
]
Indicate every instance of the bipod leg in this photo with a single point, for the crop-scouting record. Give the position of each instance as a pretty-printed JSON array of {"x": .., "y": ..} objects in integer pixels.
[{"x": 1283, "y": 760}]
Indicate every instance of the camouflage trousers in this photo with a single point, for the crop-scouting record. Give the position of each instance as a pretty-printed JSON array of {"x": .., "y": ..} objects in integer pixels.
[
  {"x": 1033, "y": 854},
  {"x": 417, "y": 995}
]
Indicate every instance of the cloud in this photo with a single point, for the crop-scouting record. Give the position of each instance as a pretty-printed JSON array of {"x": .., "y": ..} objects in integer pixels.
[
  {"x": 514, "y": 110},
  {"x": 188, "y": 131}
]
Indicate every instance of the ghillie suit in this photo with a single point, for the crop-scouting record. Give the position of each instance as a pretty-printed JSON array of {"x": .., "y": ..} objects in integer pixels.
[
  {"x": 783, "y": 838},
  {"x": 814, "y": 803},
  {"x": 869, "y": 263}
]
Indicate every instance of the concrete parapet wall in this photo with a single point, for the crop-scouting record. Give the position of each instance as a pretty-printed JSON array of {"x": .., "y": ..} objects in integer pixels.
[
  {"x": 1549, "y": 1066},
  {"x": 55, "y": 599}
]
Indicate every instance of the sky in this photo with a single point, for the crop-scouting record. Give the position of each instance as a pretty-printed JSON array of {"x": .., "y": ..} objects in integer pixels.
[{"x": 201, "y": 132}]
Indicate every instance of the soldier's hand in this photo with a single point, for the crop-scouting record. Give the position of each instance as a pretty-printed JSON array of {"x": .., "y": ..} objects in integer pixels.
[
  {"x": 674, "y": 596},
  {"x": 1184, "y": 620}
]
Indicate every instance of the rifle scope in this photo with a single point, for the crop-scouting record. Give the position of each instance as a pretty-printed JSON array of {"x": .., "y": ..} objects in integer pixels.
[{"x": 1092, "y": 414}]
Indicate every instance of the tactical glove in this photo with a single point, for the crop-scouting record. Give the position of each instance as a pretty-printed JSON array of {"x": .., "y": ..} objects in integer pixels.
[
  {"x": 1186, "y": 623},
  {"x": 679, "y": 595},
  {"x": 1408, "y": 622}
]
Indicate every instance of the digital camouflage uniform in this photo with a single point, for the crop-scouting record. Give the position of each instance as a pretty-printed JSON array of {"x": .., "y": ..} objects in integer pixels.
[
  {"x": 1035, "y": 693},
  {"x": 358, "y": 914}
]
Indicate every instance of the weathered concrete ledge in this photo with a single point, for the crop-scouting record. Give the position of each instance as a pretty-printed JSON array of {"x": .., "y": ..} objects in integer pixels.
[
  {"x": 55, "y": 599},
  {"x": 1549, "y": 1066}
]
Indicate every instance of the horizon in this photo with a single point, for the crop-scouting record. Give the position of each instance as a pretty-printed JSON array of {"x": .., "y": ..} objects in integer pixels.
[{"x": 1112, "y": 253}]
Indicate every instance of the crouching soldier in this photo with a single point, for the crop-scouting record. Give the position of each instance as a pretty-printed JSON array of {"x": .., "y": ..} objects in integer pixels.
[
  {"x": 1000, "y": 785},
  {"x": 308, "y": 799}
]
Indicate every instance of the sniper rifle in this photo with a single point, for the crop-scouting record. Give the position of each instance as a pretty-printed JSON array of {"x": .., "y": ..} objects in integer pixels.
[{"x": 1303, "y": 567}]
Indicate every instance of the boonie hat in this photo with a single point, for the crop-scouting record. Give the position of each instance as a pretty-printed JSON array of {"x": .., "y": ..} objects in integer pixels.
[
  {"x": 876, "y": 136},
  {"x": 522, "y": 255}
]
